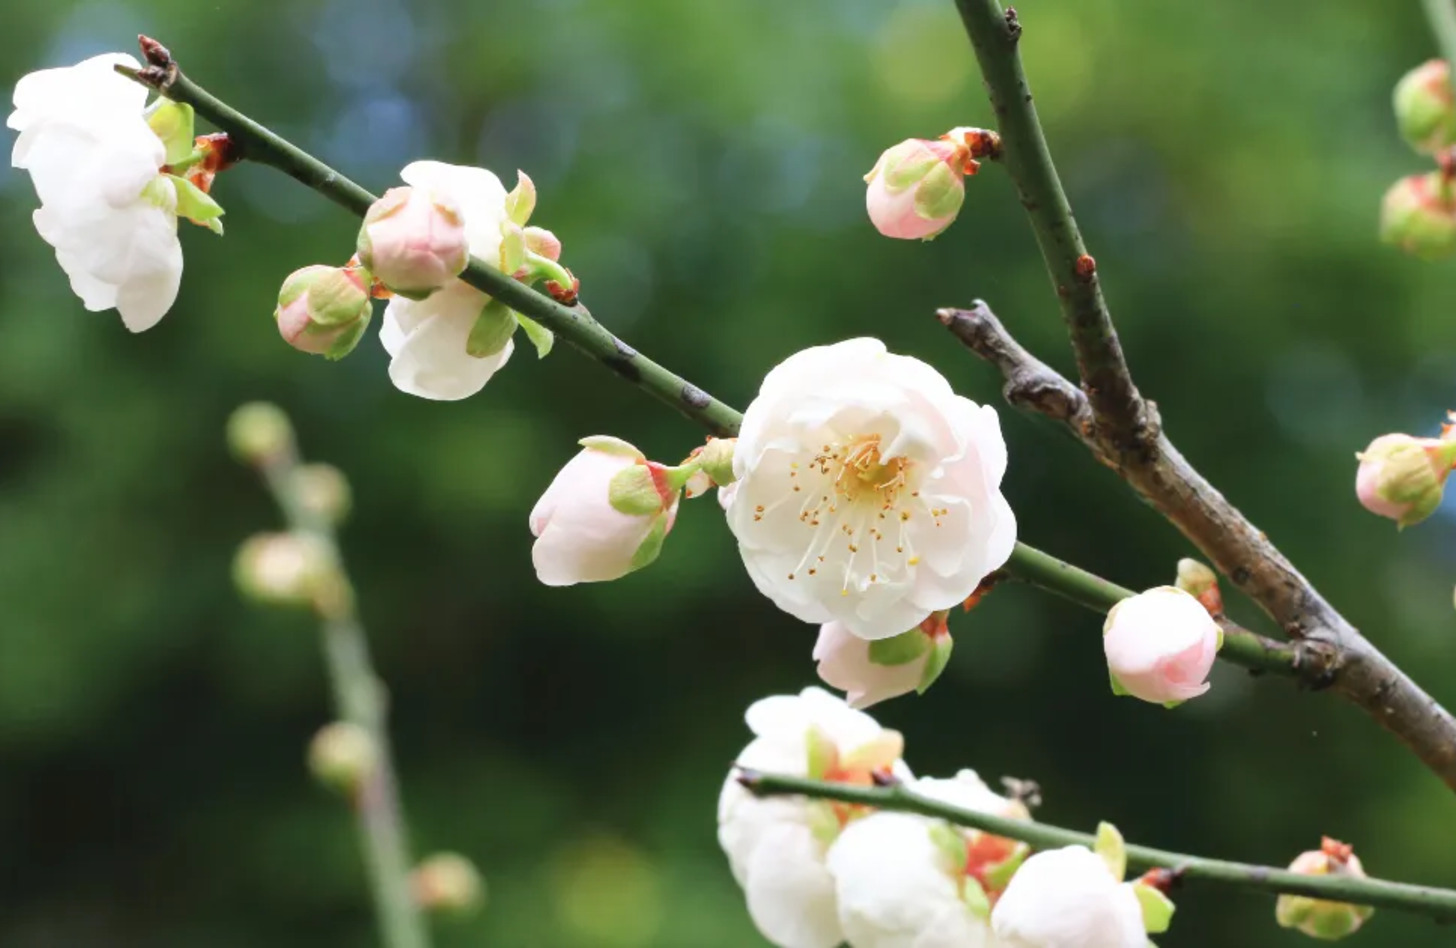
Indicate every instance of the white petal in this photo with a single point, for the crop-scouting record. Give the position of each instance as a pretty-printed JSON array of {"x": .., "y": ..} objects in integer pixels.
[
  {"x": 427, "y": 341},
  {"x": 790, "y": 892}
]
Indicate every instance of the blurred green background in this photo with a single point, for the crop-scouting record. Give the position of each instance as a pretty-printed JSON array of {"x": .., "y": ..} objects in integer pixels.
[{"x": 701, "y": 163}]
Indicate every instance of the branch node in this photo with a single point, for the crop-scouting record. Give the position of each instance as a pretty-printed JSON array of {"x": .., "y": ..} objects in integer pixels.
[
  {"x": 1085, "y": 268},
  {"x": 1013, "y": 25}
]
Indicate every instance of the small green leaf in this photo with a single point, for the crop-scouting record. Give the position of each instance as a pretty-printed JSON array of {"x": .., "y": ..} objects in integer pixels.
[
  {"x": 631, "y": 491},
  {"x": 950, "y": 845},
  {"x": 975, "y": 898},
  {"x": 1157, "y": 908},
  {"x": 823, "y": 752},
  {"x": 196, "y": 205},
  {"x": 899, "y": 649},
  {"x": 1112, "y": 850},
  {"x": 541, "y": 337},
  {"x": 935, "y": 664}
]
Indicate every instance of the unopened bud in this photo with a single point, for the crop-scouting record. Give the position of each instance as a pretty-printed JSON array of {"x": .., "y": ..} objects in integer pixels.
[
  {"x": 1403, "y": 477},
  {"x": 1200, "y": 582},
  {"x": 448, "y": 883},
  {"x": 322, "y": 491},
  {"x": 341, "y": 756},
  {"x": 1418, "y": 215},
  {"x": 1319, "y": 918},
  {"x": 916, "y": 188},
  {"x": 413, "y": 241},
  {"x": 1423, "y": 107},
  {"x": 284, "y": 569},
  {"x": 257, "y": 432},
  {"x": 871, "y": 672},
  {"x": 1160, "y": 645},
  {"x": 324, "y": 310}
]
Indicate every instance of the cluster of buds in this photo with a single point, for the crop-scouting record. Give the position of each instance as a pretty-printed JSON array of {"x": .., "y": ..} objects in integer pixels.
[
  {"x": 1404, "y": 477},
  {"x": 1418, "y": 213},
  {"x": 917, "y": 187}
]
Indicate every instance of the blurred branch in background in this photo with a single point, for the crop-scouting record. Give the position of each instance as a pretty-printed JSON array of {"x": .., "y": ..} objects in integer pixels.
[
  {"x": 1439, "y": 904},
  {"x": 1442, "y": 14},
  {"x": 1125, "y": 433},
  {"x": 303, "y": 567}
]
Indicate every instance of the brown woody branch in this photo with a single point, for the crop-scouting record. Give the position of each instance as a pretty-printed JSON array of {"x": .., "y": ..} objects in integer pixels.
[{"x": 1333, "y": 652}]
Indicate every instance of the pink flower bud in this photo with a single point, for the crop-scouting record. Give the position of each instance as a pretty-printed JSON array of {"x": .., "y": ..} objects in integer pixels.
[
  {"x": 1320, "y": 918},
  {"x": 413, "y": 240},
  {"x": 1423, "y": 107},
  {"x": 871, "y": 672},
  {"x": 1160, "y": 645},
  {"x": 605, "y": 514},
  {"x": 1418, "y": 215},
  {"x": 324, "y": 310},
  {"x": 1402, "y": 477},
  {"x": 916, "y": 188}
]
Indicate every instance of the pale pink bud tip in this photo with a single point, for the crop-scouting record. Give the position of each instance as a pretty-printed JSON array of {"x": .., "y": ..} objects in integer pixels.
[
  {"x": 1404, "y": 477},
  {"x": 324, "y": 310},
  {"x": 413, "y": 240},
  {"x": 1160, "y": 645},
  {"x": 541, "y": 241}
]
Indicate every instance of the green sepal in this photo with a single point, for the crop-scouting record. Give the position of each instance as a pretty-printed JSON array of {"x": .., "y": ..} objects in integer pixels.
[
  {"x": 674, "y": 478},
  {"x": 999, "y": 876},
  {"x": 1219, "y": 646},
  {"x": 492, "y": 330},
  {"x": 935, "y": 664},
  {"x": 512, "y": 248},
  {"x": 521, "y": 201},
  {"x": 1157, "y": 908},
  {"x": 823, "y": 822},
  {"x": 172, "y": 122},
  {"x": 823, "y": 752},
  {"x": 1112, "y": 849},
  {"x": 196, "y": 205},
  {"x": 651, "y": 544},
  {"x": 899, "y": 649},
  {"x": 632, "y": 491},
  {"x": 1117, "y": 688},
  {"x": 541, "y": 337},
  {"x": 610, "y": 445},
  {"x": 1170, "y": 705},
  {"x": 716, "y": 458},
  {"x": 976, "y": 899},
  {"x": 347, "y": 342},
  {"x": 950, "y": 846},
  {"x": 940, "y": 193}
]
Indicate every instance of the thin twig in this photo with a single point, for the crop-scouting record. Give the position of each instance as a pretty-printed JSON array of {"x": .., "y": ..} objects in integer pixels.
[
  {"x": 1124, "y": 430},
  {"x": 1442, "y": 16},
  {"x": 1439, "y": 904},
  {"x": 358, "y": 699}
]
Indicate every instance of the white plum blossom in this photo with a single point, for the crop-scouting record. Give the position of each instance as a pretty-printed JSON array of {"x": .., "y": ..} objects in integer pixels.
[
  {"x": 582, "y": 535},
  {"x": 901, "y": 880},
  {"x": 777, "y": 846},
  {"x": 427, "y": 339},
  {"x": 868, "y": 492},
  {"x": 1068, "y": 898},
  {"x": 1160, "y": 645},
  {"x": 106, "y": 207}
]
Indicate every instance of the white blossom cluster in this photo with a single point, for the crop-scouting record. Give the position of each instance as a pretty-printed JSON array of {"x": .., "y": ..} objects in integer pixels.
[{"x": 817, "y": 873}]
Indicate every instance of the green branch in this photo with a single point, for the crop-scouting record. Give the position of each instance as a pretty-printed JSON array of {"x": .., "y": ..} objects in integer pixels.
[
  {"x": 359, "y": 700},
  {"x": 1436, "y": 903}
]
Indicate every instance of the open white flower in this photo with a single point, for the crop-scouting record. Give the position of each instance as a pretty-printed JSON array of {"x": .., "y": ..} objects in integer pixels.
[
  {"x": 106, "y": 208},
  {"x": 426, "y": 339},
  {"x": 906, "y": 881},
  {"x": 868, "y": 491},
  {"x": 777, "y": 846},
  {"x": 1067, "y": 898}
]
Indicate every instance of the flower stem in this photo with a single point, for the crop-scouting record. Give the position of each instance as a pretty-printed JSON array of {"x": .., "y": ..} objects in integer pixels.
[
  {"x": 359, "y": 699},
  {"x": 576, "y": 326},
  {"x": 1436, "y": 903},
  {"x": 1442, "y": 14}
]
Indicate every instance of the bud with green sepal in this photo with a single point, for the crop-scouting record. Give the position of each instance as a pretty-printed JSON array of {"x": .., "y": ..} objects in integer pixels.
[
  {"x": 1319, "y": 918},
  {"x": 259, "y": 432},
  {"x": 916, "y": 188},
  {"x": 1200, "y": 582},
  {"x": 1404, "y": 477},
  {"x": 448, "y": 884},
  {"x": 714, "y": 466},
  {"x": 1418, "y": 215},
  {"x": 342, "y": 756},
  {"x": 870, "y": 672},
  {"x": 413, "y": 241},
  {"x": 1424, "y": 110},
  {"x": 324, "y": 310},
  {"x": 606, "y": 513}
]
